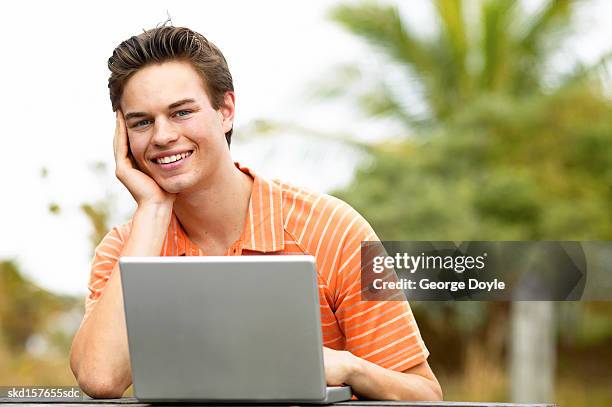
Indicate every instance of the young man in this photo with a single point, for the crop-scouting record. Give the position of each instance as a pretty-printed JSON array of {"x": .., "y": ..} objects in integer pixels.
[{"x": 174, "y": 99}]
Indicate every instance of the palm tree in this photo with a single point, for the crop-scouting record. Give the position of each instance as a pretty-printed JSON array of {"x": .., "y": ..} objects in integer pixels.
[{"x": 497, "y": 49}]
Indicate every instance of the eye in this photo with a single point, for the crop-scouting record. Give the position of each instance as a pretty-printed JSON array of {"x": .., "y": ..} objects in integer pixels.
[
  {"x": 182, "y": 113},
  {"x": 142, "y": 123}
]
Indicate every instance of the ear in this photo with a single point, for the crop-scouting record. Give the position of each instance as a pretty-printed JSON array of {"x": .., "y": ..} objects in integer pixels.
[{"x": 227, "y": 111}]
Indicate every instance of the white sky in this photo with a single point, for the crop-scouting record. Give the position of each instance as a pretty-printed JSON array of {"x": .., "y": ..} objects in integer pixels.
[{"x": 55, "y": 111}]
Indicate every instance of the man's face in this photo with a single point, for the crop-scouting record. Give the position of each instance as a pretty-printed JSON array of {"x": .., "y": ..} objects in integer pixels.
[{"x": 168, "y": 113}]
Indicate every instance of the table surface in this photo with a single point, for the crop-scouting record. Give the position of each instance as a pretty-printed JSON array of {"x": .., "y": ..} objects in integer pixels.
[{"x": 134, "y": 402}]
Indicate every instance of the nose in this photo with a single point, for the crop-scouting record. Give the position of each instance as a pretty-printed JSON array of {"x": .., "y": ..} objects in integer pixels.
[{"x": 164, "y": 132}]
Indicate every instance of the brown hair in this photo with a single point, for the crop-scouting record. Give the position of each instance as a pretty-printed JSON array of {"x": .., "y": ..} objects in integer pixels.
[{"x": 168, "y": 43}]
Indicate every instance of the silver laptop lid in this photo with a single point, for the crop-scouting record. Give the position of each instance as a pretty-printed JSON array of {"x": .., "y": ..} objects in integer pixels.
[{"x": 241, "y": 328}]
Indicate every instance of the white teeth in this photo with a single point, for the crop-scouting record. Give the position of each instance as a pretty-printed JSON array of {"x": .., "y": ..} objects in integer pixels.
[{"x": 172, "y": 158}]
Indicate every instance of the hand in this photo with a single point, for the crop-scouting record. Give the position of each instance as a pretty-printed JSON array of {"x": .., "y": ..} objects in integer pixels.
[
  {"x": 143, "y": 188},
  {"x": 339, "y": 366}
]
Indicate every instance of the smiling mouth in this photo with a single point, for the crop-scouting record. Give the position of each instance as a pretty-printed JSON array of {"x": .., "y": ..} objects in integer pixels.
[{"x": 172, "y": 158}]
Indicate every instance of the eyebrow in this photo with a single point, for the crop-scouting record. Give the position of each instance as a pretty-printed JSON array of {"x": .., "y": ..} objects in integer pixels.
[
  {"x": 180, "y": 103},
  {"x": 171, "y": 106}
]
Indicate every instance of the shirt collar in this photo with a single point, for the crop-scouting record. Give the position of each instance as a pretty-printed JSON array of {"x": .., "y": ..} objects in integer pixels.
[{"x": 263, "y": 229}]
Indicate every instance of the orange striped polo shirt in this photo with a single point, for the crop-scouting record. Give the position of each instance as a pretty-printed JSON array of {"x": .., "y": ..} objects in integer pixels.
[{"x": 284, "y": 220}]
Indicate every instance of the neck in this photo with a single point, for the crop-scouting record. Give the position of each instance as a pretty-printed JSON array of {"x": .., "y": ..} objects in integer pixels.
[{"x": 213, "y": 216}]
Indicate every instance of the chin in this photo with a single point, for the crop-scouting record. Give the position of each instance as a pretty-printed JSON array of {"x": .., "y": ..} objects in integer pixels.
[
  {"x": 172, "y": 189},
  {"x": 176, "y": 187}
]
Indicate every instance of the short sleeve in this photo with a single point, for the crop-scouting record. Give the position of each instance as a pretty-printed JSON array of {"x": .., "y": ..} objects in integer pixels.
[
  {"x": 382, "y": 332},
  {"x": 105, "y": 257}
]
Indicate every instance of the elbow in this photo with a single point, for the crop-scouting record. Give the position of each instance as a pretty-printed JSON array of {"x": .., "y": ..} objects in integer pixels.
[
  {"x": 101, "y": 388},
  {"x": 96, "y": 378},
  {"x": 97, "y": 383},
  {"x": 100, "y": 383},
  {"x": 432, "y": 391},
  {"x": 438, "y": 394}
]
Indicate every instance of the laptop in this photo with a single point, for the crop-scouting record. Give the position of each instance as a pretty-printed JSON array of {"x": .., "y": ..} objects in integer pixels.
[{"x": 225, "y": 329}]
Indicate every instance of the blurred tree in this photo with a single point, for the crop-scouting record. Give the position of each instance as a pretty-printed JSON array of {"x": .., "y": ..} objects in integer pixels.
[
  {"x": 501, "y": 146},
  {"x": 25, "y": 308},
  {"x": 497, "y": 49},
  {"x": 54, "y": 208},
  {"x": 98, "y": 215},
  {"x": 538, "y": 169},
  {"x": 36, "y": 325},
  {"x": 99, "y": 212}
]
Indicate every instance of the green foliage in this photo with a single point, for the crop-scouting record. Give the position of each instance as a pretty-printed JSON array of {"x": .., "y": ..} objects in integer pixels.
[
  {"x": 54, "y": 208},
  {"x": 505, "y": 155},
  {"x": 498, "y": 49},
  {"x": 507, "y": 149},
  {"x": 25, "y": 309},
  {"x": 98, "y": 215},
  {"x": 538, "y": 169},
  {"x": 37, "y": 326}
]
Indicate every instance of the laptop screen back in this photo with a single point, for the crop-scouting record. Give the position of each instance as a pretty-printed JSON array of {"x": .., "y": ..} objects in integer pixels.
[{"x": 242, "y": 328}]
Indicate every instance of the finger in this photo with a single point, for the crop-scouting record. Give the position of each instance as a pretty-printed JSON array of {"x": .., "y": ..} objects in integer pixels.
[
  {"x": 121, "y": 147},
  {"x": 115, "y": 136},
  {"x": 121, "y": 120}
]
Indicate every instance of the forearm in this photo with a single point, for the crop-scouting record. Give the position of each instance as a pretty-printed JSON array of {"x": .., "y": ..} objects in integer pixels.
[
  {"x": 371, "y": 381},
  {"x": 99, "y": 354}
]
